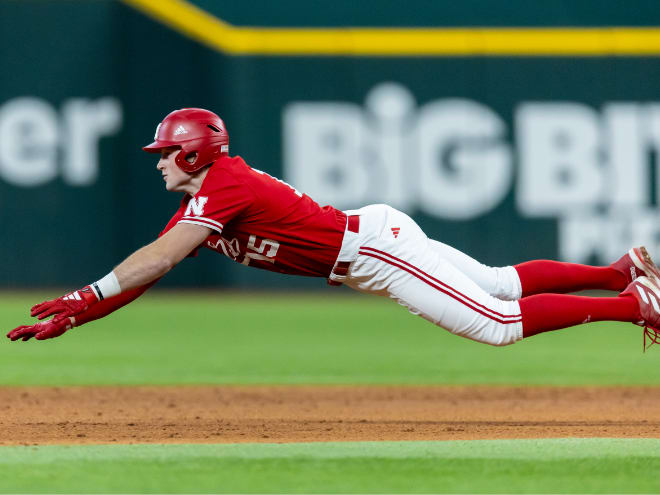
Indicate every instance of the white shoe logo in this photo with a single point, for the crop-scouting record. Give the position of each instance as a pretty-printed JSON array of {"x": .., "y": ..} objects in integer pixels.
[
  {"x": 647, "y": 297},
  {"x": 180, "y": 130}
]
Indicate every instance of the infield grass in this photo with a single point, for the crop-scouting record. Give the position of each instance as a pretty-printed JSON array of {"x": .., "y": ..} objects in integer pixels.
[
  {"x": 484, "y": 466},
  {"x": 334, "y": 337}
]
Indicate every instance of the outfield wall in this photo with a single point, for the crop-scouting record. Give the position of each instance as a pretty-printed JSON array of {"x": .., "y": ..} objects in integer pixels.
[{"x": 508, "y": 144}]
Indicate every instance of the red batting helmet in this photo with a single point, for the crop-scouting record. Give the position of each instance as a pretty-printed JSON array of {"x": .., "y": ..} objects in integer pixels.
[{"x": 194, "y": 130}]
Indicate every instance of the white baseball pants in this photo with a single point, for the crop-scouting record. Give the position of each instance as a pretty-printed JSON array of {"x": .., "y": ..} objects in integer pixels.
[{"x": 391, "y": 256}]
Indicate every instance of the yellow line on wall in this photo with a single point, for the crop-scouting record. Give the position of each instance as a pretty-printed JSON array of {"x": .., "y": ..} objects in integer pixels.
[{"x": 384, "y": 42}]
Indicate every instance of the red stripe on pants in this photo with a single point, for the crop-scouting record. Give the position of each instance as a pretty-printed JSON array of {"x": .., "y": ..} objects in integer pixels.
[{"x": 440, "y": 286}]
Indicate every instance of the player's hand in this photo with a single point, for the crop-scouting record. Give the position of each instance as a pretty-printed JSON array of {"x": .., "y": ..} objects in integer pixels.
[
  {"x": 41, "y": 330},
  {"x": 69, "y": 305}
]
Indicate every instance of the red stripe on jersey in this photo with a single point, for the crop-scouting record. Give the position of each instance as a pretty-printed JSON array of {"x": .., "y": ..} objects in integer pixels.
[{"x": 440, "y": 286}]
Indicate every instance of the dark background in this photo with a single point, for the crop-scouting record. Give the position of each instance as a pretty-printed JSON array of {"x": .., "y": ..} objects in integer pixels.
[{"x": 60, "y": 234}]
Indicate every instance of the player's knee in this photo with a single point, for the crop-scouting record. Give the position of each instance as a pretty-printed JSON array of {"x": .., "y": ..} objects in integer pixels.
[
  {"x": 505, "y": 335},
  {"x": 507, "y": 285},
  {"x": 495, "y": 334}
]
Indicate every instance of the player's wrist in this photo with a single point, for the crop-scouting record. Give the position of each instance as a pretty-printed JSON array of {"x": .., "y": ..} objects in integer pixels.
[{"x": 108, "y": 286}]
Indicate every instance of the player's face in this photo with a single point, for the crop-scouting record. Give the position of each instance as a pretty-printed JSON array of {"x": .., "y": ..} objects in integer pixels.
[{"x": 175, "y": 178}]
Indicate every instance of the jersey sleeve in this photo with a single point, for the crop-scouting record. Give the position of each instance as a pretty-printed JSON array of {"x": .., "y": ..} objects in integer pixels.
[{"x": 221, "y": 198}]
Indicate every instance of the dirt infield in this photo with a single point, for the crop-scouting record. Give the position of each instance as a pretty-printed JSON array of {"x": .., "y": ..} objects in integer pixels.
[{"x": 195, "y": 414}]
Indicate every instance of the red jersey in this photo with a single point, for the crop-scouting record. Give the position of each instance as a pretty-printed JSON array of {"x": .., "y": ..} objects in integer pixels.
[{"x": 261, "y": 221}]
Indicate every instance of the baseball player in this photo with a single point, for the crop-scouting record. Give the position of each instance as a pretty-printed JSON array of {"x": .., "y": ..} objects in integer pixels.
[{"x": 260, "y": 221}]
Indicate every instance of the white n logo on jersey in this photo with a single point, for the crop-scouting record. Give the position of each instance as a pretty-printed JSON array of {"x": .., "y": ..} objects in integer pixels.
[{"x": 196, "y": 206}]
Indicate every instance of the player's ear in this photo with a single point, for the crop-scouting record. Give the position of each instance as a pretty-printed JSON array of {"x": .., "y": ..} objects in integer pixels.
[{"x": 191, "y": 157}]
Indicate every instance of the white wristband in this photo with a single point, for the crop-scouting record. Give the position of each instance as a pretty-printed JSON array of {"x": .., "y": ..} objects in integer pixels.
[{"x": 108, "y": 286}]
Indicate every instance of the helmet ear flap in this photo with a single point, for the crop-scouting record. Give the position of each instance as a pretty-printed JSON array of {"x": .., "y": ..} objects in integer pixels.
[
  {"x": 191, "y": 157},
  {"x": 183, "y": 162}
]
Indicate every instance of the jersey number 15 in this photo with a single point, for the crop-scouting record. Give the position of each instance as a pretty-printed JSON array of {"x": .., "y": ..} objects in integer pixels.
[{"x": 265, "y": 251}]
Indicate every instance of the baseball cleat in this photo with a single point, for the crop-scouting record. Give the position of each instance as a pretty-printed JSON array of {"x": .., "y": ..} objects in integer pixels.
[
  {"x": 646, "y": 292},
  {"x": 637, "y": 263}
]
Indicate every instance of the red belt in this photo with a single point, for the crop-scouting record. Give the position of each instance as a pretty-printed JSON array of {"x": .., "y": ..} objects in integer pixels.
[
  {"x": 341, "y": 267},
  {"x": 353, "y": 224}
]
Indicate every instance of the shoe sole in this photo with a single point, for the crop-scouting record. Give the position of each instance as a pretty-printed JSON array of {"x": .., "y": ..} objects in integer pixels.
[{"x": 642, "y": 260}]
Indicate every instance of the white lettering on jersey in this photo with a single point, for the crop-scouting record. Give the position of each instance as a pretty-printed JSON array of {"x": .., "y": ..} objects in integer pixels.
[
  {"x": 233, "y": 246},
  {"x": 230, "y": 249},
  {"x": 269, "y": 256},
  {"x": 196, "y": 206},
  {"x": 257, "y": 249}
]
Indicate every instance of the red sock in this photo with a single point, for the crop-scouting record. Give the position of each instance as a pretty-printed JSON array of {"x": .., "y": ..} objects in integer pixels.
[
  {"x": 541, "y": 276},
  {"x": 545, "y": 312}
]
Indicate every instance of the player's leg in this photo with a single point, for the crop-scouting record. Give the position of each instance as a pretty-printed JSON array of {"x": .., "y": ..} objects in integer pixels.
[
  {"x": 501, "y": 282},
  {"x": 548, "y": 276},
  {"x": 409, "y": 270},
  {"x": 541, "y": 276},
  {"x": 546, "y": 312},
  {"x": 440, "y": 293},
  {"x": 639, "y": 303},
  {"x": 429, "y": 286}
]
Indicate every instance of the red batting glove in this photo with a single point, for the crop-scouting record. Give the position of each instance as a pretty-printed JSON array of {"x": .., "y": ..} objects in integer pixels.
[
  {"x": 41, "y": 330},
  {"x": 68, "y": 305}
]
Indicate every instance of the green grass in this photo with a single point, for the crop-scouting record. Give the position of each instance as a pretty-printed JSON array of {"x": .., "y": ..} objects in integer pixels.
[
  {"x": 330, "y": 337},
  {"x": 488, "y": 466},
  {"x": 327, "y": 337}
]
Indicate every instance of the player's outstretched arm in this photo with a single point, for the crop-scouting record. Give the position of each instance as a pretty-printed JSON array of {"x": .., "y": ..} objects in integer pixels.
[
  {"x": 141, "y": 269},
  {"x": 156, "y": 259},
  {"x": 49, "y": 329}
]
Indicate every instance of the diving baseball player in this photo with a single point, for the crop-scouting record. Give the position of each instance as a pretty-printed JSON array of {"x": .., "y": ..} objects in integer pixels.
[{"x": 260, "y": 221}]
